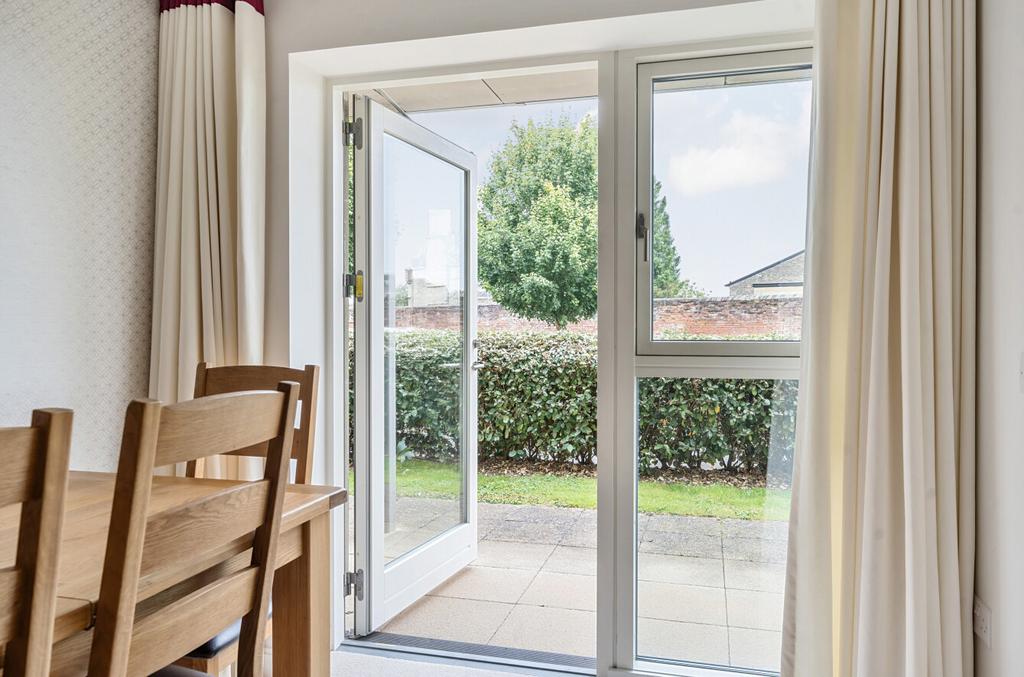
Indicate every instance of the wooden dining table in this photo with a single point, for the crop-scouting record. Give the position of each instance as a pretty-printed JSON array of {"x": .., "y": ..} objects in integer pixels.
[{"x": 301, "y": 594}]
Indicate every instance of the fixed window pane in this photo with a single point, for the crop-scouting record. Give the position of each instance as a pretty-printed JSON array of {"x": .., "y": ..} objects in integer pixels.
[
  {"x": 715, "y": 462},
  {"x": 729, "y": 159}
]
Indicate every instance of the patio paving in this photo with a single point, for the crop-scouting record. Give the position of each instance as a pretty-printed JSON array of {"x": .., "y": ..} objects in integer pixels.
[{"x": 709, "y": 590}]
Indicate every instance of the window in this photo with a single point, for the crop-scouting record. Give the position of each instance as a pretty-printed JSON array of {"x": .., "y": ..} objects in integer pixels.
[
  {"x": 721, "y": 178},
  {"x": 722, "y": 161}
]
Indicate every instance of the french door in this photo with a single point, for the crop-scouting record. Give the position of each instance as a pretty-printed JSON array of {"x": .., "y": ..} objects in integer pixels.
[{"x": 415, "y": 353}]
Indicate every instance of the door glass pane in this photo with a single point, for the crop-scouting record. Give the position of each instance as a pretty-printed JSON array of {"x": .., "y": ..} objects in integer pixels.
[
  {"x": 729, "y": 196},
  {"x": 423, "y": 205},
  {"x": 716, "y": 459}
]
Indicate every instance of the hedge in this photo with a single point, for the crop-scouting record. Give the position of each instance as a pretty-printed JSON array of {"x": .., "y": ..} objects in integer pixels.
[{"x": 537, "y": 401}]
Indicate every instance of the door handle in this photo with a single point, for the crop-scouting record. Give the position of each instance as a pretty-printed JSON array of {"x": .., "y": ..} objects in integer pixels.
[{"x": 477, "y": 365}]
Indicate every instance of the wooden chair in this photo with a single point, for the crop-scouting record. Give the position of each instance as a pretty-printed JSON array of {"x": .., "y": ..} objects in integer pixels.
[
  {"x": 35, "y": 475},
  {"x": 220, "y": 651},
  {"x": 146, "y": 551},
  {"x": 218, "y": 380}
]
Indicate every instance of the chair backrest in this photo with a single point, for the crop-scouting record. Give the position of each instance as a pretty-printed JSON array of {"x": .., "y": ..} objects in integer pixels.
[
  {"x": 35, "y": 476},
  {"x": 218, "y": 380},
  {"x": 153, "y": 608}
]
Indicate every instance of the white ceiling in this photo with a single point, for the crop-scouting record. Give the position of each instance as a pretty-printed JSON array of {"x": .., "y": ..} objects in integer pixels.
[{"x": 570, "y": 84}]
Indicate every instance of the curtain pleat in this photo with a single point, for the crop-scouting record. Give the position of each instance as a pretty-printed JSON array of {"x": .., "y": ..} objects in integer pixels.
[{"x": 881, "y": 555}]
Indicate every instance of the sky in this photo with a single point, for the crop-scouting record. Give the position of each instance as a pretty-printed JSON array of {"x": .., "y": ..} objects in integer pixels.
[{"x": 732, "y": 161}]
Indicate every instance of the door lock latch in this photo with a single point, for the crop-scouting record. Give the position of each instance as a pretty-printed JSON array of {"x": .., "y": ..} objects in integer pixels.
[{"x": 358, "y": 286}]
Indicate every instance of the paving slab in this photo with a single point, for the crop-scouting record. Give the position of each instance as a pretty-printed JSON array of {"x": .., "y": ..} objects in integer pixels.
[
  {"x": 689, "y": 545},
  {"x": 580, "y": 536},
  {"x": 754, "y": 609},
  {"x": 757, "y": 649},
  {"x": 764, "y": 576},
  {"x": 567, "y": 631},
  {"x": 754, "y": 549},
  {"x": 545, "y": 514},
  {"x": 682, "y": 641},
  {"x": 565, "y": 591},
  {"x": 684, "y": 524},
  {"x": 571, "y": 560},
  {"x": 490, "y": 584},
  {"x": 494, "y": 510},
  {"x": 677, "y": 569},
  {"x": 529, "y": 556},
  {"x": 527, "y": 532},
  {"x": 770, "y": 530},
  {"x": 450, "y": 618},
  {"x": 688, "y": 603}
]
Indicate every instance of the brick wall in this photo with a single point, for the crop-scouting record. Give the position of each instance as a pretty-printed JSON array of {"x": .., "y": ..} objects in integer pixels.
[{"x": 722, "y": 317}]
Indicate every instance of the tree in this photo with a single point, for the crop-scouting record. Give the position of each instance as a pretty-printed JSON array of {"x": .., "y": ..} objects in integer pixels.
[
  {"x": 546, "y": 268},
  {"x": 537, "y": 230},
  {"x": 535, "y": 265},
  {"x": 667, "y": 281}
]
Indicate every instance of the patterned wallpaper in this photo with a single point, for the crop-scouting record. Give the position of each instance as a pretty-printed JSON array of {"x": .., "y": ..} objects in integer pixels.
[{"x": 77, "y": 171}]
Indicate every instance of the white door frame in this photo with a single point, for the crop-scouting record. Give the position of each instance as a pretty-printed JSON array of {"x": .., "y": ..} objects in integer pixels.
[
  {"x": 617, "y": 359},
  {"x": 388, "y": 588}
]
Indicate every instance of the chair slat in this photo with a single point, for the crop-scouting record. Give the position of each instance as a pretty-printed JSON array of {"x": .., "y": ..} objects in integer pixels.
[
  {"x": 10, "y": 587},
  {"x": 219, "y": 380},
  {"x": 209, "y": 524},
  {"x": 166, "y": 635},
  {"x": 20, "y": 448},
  {"x": 217, "y": 424}
]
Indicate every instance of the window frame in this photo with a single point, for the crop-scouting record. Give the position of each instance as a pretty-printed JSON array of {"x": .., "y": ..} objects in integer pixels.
[
  {"x": 624, "y": 359},
  {"x": 758, "y": 63}
]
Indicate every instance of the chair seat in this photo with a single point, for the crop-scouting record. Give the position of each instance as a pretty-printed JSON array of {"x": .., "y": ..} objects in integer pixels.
[{"x": 176, "y": 671}]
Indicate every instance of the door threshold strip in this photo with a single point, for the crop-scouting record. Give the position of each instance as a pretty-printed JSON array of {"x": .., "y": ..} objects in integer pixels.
[{"x": 481, "y": 654}]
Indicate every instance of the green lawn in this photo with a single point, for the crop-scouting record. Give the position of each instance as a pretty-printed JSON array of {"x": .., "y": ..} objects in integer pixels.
[{"x": 429, "y": 479}]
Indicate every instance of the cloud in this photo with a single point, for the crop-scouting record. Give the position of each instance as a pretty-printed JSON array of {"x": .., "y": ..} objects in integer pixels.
[{"x": 755, "y": 149}]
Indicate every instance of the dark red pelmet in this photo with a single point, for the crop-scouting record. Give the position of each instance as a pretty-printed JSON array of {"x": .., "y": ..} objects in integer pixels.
[{"x": 230, "y": 4}]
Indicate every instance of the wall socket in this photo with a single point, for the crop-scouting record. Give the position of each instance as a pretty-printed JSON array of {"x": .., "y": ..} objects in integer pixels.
[{"x": 983, "y": 621}]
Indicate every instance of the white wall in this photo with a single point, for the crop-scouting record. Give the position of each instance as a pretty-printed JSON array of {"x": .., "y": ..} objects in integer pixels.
[
  {"x": 1000, "y": 559},
  {"x": 77, "y": 173}
]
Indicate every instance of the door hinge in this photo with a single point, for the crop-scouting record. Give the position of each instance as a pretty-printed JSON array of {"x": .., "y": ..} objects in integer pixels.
[
  {"x": 354, "y": 583},
  {"x": 352, "y": 130}
]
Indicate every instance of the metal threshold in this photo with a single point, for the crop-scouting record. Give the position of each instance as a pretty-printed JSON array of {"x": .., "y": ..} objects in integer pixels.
[{"x": 522, "y": 661}]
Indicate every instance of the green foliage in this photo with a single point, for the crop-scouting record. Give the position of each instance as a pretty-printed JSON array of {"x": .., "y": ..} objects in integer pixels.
[
  {"x": 546, "y": 268},
  {"x": 537, "y": 230},
  {"x": 538, "y": 401},
  {"x": 667, "y": 281},
  {"x": 561, "y": 154},
  {"x": 538, "y": 226}
]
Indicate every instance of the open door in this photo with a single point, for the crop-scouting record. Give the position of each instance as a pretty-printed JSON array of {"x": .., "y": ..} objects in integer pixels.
[{"x": 415, "y": 392}]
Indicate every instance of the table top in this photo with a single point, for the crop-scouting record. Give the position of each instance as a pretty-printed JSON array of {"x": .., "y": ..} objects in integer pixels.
[{"x": 87, "y": 518}]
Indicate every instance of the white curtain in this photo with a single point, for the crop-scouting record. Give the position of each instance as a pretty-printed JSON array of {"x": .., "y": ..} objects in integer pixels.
[
  {"x": 210, "y": 203},
  {"x": 881, "y": 560}
]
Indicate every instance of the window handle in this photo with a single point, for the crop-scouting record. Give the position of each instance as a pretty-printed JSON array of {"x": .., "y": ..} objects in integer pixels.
[{"x": 641, "y": 232}]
